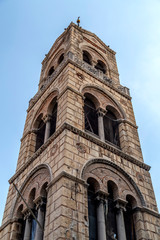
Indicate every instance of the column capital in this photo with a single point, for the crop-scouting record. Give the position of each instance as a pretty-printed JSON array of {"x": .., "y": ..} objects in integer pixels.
[
  {"x": 47, "y": 118},
  {"x": 101, "y": 112},
  {"x": 120, "y": 204},
  {"x": 27, "y": 214},
  {"x": 101, "y": 195},
  {"x": 40, "y": 202}
]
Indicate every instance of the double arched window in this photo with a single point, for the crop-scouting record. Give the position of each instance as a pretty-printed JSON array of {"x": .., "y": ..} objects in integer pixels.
[
  {"x": 52, "y": 68},
  {"x": 109, "y": 219},
  {"x": 100, "y": 122},
  {"x": 46, "y": 126},
  {"x": 30, "y": 215},
  {"x": 31, "y": 223},
  {"x": 99, "y": 65}
]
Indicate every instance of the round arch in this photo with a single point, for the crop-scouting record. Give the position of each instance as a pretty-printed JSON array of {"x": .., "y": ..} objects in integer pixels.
[
  {"x": 53, "y": 94},
  {"x": 101, "y": 162},
  {"x": 106, "y": 93},
  {"x": 27, "y": 180}
]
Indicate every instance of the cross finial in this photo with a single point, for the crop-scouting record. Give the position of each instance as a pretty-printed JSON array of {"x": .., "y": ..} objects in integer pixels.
[{"x": 78, "y": 21}]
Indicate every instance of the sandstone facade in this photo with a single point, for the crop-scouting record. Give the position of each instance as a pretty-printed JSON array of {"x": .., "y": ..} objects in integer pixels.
[{"x": 59, "y": 169}]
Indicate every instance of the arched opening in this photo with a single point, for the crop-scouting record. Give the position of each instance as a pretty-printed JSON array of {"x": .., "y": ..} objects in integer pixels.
[
  {"x": 111, "y": 227},
  {"x": 101, "y": 66},
  {"x": 21, "y": 223},
  {"x": 87, "y": 57},
  {"x": 92, "y": 208},
  {"x": 111, "y": 130},
  {"x": 91, "y": 116},
  {"x": 61, "y": 58},
  {"x": 128, "y": 218},
  {"x": 53, "y": 119},
  {"x": 51, "y": 70},
  {"x": 33, "y": 207},
  {"x": 40, "y": 132}
]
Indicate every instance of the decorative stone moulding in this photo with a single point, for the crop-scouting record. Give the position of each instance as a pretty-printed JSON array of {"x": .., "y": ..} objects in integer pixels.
[
  {"x": 86, "y": 136},
  {"x": 84, "y": 66}
]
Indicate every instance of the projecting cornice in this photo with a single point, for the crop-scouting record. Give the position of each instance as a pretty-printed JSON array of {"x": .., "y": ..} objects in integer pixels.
[
  {"x": 85, "y": 135},
  {"x": 71, "y": 58}
]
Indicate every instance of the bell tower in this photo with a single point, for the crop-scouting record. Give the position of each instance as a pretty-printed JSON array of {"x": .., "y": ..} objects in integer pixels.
[{"x": 80, "y": 172}]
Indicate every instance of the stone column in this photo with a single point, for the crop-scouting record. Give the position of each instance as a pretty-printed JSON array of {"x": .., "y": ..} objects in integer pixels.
[
  {"x": 41, "y": 218},
  {"x": 101, "y": 113},
  {"x": 28, "y": 227},
  {"x": 101, "y": 226},
  {"x": 120, "y": 206},
  {"x": 47, "y": 120}
]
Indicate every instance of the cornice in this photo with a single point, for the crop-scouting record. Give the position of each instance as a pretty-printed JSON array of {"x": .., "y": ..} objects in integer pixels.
[
  {"x": 85, "y": 135},
  {"x": 147, "y": 210},
  {"x": 71, "y": 58}
]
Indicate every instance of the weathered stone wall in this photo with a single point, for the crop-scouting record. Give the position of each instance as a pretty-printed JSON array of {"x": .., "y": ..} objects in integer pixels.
[{"x": 70, "y": 148}]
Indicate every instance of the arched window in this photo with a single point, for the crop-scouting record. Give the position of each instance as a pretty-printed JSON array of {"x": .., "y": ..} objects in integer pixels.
[
  {"x": 33, "y": 207},
  {"x": 111, "y": 213},
  {"x": 128, "y": 219},
  {"x": 53, "y": 119},
  {"x": 101, "y": 66},
  {"x": 91, "y": 117},
  {"x": 21, "y": 223},
  {"x": 51, "y": 70},
  {"x": 87, "y": 57},
  {"x": 111, "y": 130},
  {"x": 61, "y": 58},
  {"x": 92, "y": 209},
  {"x": 40, "y": 134}
]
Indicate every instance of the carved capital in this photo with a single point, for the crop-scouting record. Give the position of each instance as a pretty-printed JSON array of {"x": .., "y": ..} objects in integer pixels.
[
  {"x": 101, "y": 112},
  {"x": 40, "y": 203},
  {"x": 47, "y": 118},
  {"x": 120, "y": 205},
  {"x": 27, "y": 214},
  {"x": 101, "y": 196}
]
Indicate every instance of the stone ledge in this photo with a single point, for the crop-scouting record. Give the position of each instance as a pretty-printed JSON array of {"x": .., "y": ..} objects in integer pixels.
[
  {"x": 10, "y": 221},
  {"x": 86, "y": 136},
  {"x": 147, "y": 210},
  {"x": 71, "y": 58}
]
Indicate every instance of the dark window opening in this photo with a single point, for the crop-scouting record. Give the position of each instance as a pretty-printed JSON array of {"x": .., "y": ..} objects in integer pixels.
[
  {"x": 101, "y": 66},
  {"x": 34, "y": 224},
  {"x": 129, "y": 222},
  {"x": 51, "y": 70},
  {"x": 53, "y": 119},
  {"x": 40, "y": 135},
  {"x": 111, "y": 216},
  {"x": 92, "y": 213},
  {"x": 91, "y": 117},
  {"x": 86, "y": 57},
  {"x": 111, "y": 130},
  {"x": 61, "y": 58},
  {"x": 20, "y": 234}
]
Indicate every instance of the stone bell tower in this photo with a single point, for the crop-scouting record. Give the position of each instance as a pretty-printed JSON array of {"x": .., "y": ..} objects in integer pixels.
[{"x": 80, "y": 169}]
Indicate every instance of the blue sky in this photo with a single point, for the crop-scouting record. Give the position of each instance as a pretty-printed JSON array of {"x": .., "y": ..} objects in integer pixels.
[{"x": 27, "y": 31}]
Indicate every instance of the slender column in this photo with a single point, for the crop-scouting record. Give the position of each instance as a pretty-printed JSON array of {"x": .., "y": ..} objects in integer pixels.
[
  {"x": 101, "y": 216},
  {"x": 47, "y": 120},
  {"x": 41, "y": 219},
  {"x": 120, "y": 221},
  {"x": 28, "y": 226},
  {"x": 101, "y": 113}
]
